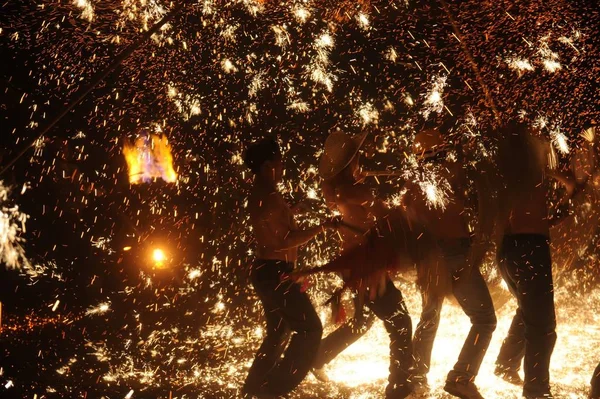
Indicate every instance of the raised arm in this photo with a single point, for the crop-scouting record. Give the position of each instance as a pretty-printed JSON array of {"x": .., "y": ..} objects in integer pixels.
[{"x": 361, "y": 194}]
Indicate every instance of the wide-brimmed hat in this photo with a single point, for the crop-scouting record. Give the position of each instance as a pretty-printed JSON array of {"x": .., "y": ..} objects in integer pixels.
[
  {"x": 340, "y": 149},
  {"x": 429, "y": 143}
]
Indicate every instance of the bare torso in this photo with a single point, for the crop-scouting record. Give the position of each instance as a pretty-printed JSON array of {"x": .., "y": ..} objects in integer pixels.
[
  {"x": 267, "y": 206},
  {"x": 448, "y": 223}
]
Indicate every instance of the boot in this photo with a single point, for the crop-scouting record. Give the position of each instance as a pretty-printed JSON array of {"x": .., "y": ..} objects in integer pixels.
[
  {"x": 509, "y": 375},
  {"x": 462, "y": 388}
]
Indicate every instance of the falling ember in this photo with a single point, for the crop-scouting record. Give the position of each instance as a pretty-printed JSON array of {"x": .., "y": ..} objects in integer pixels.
[{"x": 149, "y": 158}]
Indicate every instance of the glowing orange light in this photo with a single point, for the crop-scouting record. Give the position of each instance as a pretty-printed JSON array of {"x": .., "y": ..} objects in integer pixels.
[
  {"x": 159, "y": 256},
  {"x": 149, "y": 158}
]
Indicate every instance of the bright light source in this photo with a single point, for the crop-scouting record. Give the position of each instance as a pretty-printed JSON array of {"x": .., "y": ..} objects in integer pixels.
[{"x": 159, "y": 256}]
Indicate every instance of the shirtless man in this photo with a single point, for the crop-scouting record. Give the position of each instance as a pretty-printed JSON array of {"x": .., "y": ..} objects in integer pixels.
[
  {"x": 287, "y": 309},
  {"x": 344, "y": 191},
  {"x": 526, "y": 267},
  {"x": 449, "y": 228}
]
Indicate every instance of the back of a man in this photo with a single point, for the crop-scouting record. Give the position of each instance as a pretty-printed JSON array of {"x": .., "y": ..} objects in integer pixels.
[
  {"x": 525, "y": 264},
  {"x": 448, "y": 227}
]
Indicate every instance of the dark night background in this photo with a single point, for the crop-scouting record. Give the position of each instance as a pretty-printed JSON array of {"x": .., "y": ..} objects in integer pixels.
[{"x": 77, "y": 185}]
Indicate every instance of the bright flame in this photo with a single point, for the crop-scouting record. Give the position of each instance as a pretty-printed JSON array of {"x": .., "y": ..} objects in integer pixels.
[
  {"x": 149, "y": 158},
  {"x": 158, "y": 255}
]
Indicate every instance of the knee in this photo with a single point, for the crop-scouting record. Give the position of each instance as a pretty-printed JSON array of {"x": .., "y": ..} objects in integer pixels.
[
  {"x": 401, "y": 322},
  {"x": 486, "y": 321}
]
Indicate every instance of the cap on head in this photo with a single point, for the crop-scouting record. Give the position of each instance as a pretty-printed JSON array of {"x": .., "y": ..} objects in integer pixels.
[
  {"x": 339, "y": 151},
  {"x": 428, "y": 144},
  {"x": 261, "y": 151}
]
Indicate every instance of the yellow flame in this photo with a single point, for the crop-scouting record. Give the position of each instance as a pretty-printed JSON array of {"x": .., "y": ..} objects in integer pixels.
[
  {"x": 149, "y": 158},
  {"x": 158, "y": 255}
]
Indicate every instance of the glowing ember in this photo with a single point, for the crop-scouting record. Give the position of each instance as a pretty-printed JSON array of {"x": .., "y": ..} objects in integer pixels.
[{"x": 149, "y": 158}]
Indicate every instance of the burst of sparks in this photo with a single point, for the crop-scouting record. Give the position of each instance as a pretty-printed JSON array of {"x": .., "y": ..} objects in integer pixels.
[
  {"x": 214, "y": 75},
  {"x": 368, "y": 114},
  {"x": 434, "y": 102},
  {"x": 520, "y": 65},
  {"x": 12, "y": 226},
  {"x": 100, "y": 309}
]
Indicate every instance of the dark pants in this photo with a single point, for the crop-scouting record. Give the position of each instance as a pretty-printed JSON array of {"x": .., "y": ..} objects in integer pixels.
[
  {"x": 391, "y": 309},
  {"x": 526, "y": 266},
  {"x": 595, "y": 391},
  {"x": 344, "y": 336},
  {"x": 472, "y": 294},
  {"x": 288, "y": 312}
]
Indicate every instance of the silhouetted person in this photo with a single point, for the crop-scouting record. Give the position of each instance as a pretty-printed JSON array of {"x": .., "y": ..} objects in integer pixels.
[
  {"x": 525, "y": 264},
  {"x": 449, "y": 228},
  {"x": 288, "y": 310},
  {"x": 345, "y": 192}
]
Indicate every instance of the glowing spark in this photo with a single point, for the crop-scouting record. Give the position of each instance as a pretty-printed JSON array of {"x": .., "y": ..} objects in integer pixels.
[
  {"x": 363, "y": 20},
  {"x": 320, "y": 75},
  {"x": 324, "y": 41},
  {"x": 256, "y": 84},
  {"x": 12, "y": 225},
  {"x": 520, "y": 65},
  {"x": 100, "y": 309},
  {"x": 368, "y": 114},
  {"x": 436, "y": 190},
  {"x": 433, "y": 100},
  {"x": 552, "y": 66},
  {"x": 229, "y": 33},
  {"x": 186, "y": 104},
  {"x": 589, "y": 134},
  {"x": 282, "y": 38},
  {"x": 87, "y": 10},
  {"x": 301, "y": 14},
  {"x": 299, "y": 106},
  {"x": 559, "y": 140},
  {"x": 228, "y": 66},
  {"x": 391, "y": 54},
  {"x": 208, "y": 7},
  {"x": 254, "y": 6},
  {"x": 194, "y": 274},
  {"x": 549, "y": 57}
]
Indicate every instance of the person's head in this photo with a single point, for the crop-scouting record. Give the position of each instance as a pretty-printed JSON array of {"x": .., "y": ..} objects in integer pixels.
[
  {"x": 263, "y": 158},
  {"x": 340, "y": 157}
]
